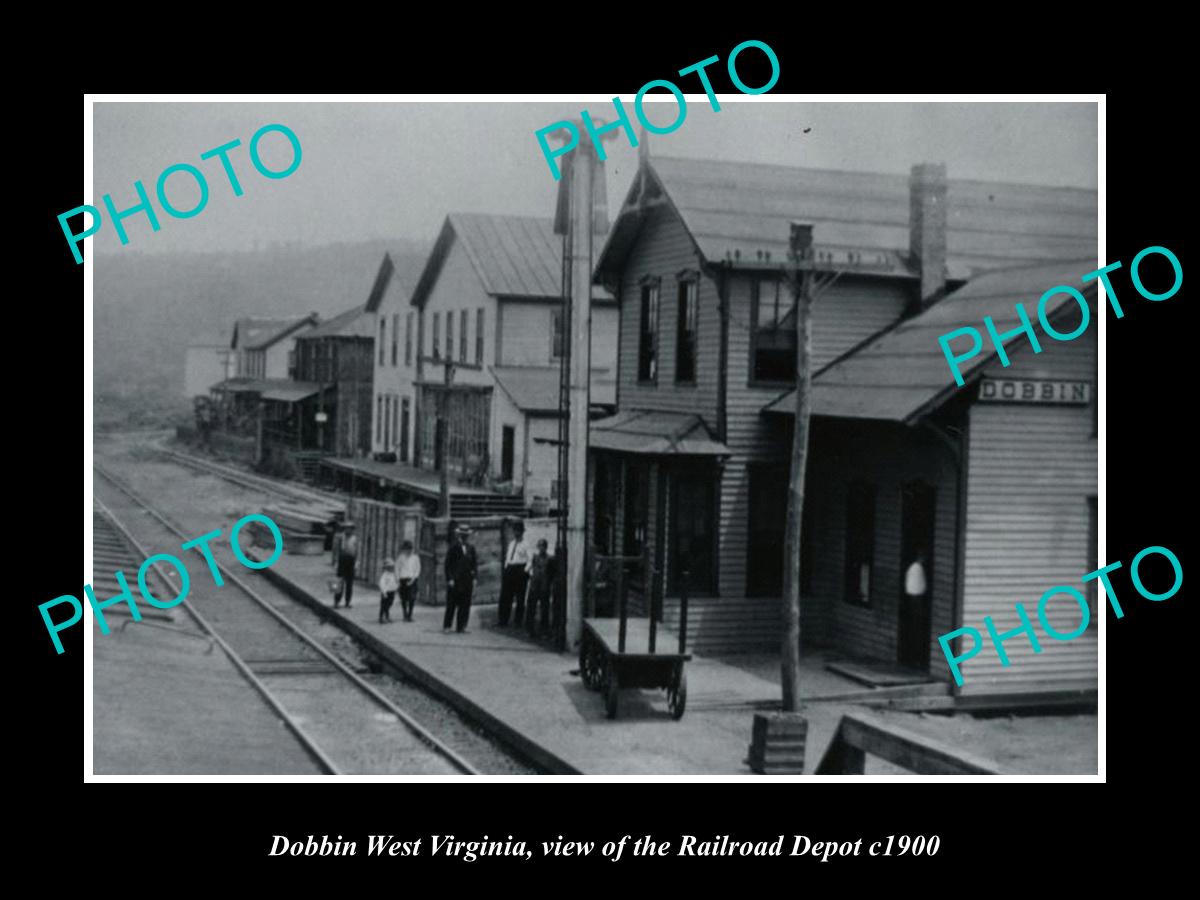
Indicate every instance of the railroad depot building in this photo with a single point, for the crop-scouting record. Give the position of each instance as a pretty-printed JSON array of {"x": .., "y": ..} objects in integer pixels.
[
  {"x": 488, "y": 306},
  {"x": 994, "y": 483}
]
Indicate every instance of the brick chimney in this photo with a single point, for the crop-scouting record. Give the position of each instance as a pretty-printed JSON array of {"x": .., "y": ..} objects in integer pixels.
[{"x": 927, "y": 227}]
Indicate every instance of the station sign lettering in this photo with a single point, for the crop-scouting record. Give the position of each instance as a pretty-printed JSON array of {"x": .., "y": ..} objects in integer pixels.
[{"x": 1012, "y": 390}]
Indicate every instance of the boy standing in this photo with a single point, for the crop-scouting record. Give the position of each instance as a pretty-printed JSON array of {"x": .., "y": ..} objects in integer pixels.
[
  {"x": 387, "y": 591},
  {"x": 408, "y": 571}
]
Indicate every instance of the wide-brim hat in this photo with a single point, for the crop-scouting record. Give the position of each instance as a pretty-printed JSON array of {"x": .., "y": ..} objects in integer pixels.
[
  {"x": 389, "y": 564},
  {"x": 464, "y": 529}
]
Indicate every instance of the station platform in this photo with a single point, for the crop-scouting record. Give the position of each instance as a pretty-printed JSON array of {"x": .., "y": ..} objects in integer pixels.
[{"x": 520, "y": 689}]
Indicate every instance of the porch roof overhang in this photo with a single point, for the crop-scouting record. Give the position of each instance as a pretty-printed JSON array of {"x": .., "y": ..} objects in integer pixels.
[
  {"x": 292, "y": 393},
  {"x": 655, "y": 433}
]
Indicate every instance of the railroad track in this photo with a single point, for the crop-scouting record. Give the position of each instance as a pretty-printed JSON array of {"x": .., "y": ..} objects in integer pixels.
[
  {"x": 250, "y": 480},
  {"x": 344, "y": 723}
]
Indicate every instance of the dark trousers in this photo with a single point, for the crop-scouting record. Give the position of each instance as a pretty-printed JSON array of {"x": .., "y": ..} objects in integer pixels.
[
  {"x": 458, "y": 602},
  {"x": 408, "y": 597},
  {"x": 345, "y": 572},
  {"x": 385, "y": 605},
  {"x": 539, "y": 605},
  {"x": 512, "y": 588}
]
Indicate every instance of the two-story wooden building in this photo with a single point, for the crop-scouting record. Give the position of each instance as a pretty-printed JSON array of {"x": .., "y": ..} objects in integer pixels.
[
  {"x": 694, "y": 463},
  {"x": 338, "y": 355},
  {"x": 489, "y": 304}
]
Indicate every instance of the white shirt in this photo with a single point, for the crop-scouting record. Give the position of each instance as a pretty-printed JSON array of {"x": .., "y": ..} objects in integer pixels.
[
  {"x": 914, "y": 580},
  {"x": 409, "y": 566},
  {"x": 387, "y": 581},
  {"x": 518, "y": 553}
]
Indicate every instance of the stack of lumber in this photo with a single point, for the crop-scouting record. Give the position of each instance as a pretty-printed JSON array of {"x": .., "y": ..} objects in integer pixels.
[{"x": 304, "y": 525}]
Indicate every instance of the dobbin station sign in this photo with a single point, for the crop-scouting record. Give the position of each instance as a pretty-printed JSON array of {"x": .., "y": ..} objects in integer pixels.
[{"x": 1013, "y": 390}]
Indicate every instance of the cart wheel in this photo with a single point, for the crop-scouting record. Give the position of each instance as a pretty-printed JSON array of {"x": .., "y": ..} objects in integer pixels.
[
  {"x": 611, "y": 686},
  {"x": 677, "y": 695},
  {"x": 590, "y": 663}
]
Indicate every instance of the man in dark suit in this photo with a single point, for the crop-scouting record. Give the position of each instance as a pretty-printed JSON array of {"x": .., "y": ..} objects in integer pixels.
[{"x": 460, "y": 580}]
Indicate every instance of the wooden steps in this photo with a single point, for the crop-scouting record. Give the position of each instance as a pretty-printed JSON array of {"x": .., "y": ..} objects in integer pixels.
[
  {"x": 308, "y": 464},
  {"x": 478, "y": 506}
]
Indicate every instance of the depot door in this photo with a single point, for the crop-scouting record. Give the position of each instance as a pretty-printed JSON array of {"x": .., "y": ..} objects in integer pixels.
[{"x": 916, "y": 574}]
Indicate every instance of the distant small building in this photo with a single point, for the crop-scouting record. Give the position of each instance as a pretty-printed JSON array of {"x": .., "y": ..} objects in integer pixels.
[
  {"x": 263, "y": 348},
  {"x": 205, "y": 365}
]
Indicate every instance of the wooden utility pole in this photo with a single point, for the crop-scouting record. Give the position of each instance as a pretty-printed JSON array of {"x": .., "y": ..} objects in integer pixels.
[
  {"x": 800, "y": 255},
  {"x": 778, "y": 739},
  {"x": 580, "y": 319}
]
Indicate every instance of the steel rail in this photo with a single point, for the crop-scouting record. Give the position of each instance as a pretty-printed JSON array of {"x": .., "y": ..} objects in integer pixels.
[
  {"x": 419, "y": 730},
  {"x": 314, "y": 750}
]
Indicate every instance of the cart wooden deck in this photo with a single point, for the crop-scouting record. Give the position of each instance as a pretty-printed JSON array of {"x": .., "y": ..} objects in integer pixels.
[{"x": 649, "y": 657}]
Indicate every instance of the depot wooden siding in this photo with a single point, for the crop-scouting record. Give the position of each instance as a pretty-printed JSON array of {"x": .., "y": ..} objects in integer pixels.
[
  {"x": 663, "y": 250},
  {"x": 845, "y": 315},
  {"x": 1031, "y": 471},
  {"x": 886, "y": 456}
]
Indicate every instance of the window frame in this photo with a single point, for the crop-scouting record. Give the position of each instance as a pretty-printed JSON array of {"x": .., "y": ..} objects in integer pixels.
[
  {"x": 406, "y": 429},
  {"x": 395, "y": 339},
  {"x": 558, "y": 334},
  {"x": 648, "y": 356},
  {"x": 382, "y": 339},
  {"x": 753, "y": 379},
  {"x": 449, "y": 335},
  {"x": 463, "y": 324},
  {"x": 479, "y": 327},
  {"x": 852, "y": 562},
  {"x": 408, "y": 341},
  {"x": 437, "y": 333},
  {"x": 687, "y": 301}
]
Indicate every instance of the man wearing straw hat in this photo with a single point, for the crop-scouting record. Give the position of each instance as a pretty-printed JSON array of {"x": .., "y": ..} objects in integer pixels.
[{"x": 460, "y": 580}]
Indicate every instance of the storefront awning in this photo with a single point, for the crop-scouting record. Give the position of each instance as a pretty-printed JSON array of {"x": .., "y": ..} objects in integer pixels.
[
  {"x": 655, "y": 433},
  {"x": 292, "y": 393}
]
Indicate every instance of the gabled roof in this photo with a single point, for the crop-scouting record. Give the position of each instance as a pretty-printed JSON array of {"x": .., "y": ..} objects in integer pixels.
[
  {"x": 742, "y": 212},
  {"x": 534, "y": 389},
  {"x": 655, "y": 433},
  {"x": 903, "y": 374},
  {"x": 514, "y": 256},
  {"x": 356, "y": 322},
  {"x": 260, "y": 333},
  {"x": 404, "y": 277}
]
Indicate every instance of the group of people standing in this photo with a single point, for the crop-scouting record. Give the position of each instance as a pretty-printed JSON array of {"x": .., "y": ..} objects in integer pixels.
[
  {"x": 527, "y": 581},
  {"x": 526, "y": 572},
  {"x": 399, "y": 576}
]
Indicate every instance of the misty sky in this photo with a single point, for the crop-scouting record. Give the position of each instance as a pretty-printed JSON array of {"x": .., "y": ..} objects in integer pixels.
[{"x": 388, "y": 170}]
